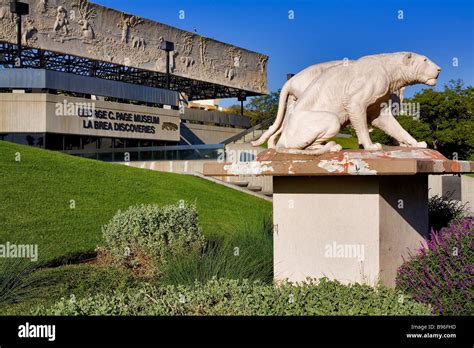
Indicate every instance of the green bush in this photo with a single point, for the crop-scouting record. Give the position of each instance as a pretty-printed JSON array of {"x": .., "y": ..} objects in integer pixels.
[
  {"x": 243, "y": 297},
  {"x": 442, "y": 210},
  {"x": 146, "y": 235},
  {"x": 245, "y": 254}
]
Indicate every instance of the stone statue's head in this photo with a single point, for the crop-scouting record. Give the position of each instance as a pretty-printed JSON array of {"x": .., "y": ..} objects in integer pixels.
[
  {"x": 420, "y": 68},
  {"x": 61, "y": 10}
]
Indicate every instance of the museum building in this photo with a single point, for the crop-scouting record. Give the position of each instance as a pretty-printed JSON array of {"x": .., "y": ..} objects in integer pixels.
[{"x": 99, "y": 83}]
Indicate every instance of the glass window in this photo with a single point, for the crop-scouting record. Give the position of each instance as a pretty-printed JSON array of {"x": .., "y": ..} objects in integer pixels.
[
  {"x": 146, "y": 143},
  {"x": 88, "y": 155},
  {"x": 133, "y": 156},
  {"x": 105, "y": 143},
  {"x": 159, "y": 155},
  {"x": 89, "y": 143},
  {"x": 120, "y": 156},
  {"x": 72, "y": 142},
  {"x": 6, "y": 137},
  {"x": 31, "y": 139},
  {"x": 131, "y": 143},
  {"x": 188, "y": 155},
  {"x": 146, "y": 156},
  {"x": 54, "y": 141},
  {"x": 119, "y": 143},
  {"x": 40, "y": 140},
  {"x": 108, "y": 156}
]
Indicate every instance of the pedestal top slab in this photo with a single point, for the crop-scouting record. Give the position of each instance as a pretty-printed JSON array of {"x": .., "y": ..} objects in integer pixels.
[{"x": 388, "y": 161}]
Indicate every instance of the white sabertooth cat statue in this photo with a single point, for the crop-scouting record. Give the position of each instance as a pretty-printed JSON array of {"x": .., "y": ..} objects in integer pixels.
[
  {"x": 355, "y": 93},
  {"x": 290, "y": 92}
]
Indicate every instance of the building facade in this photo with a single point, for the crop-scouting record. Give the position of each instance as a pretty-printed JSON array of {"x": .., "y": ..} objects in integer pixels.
[{"x": 92, "y": 81}]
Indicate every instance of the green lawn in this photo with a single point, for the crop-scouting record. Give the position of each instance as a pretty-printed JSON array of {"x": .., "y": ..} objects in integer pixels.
[
  {"x": 36, "y": 195},
  {"x": 347, "y": 143}
]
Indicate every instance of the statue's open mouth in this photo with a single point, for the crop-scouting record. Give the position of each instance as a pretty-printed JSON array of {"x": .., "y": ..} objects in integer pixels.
[{"x": 431, "y": 82}]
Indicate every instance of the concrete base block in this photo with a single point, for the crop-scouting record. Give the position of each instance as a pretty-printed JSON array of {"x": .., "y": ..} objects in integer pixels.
[
  {"x": 349, "y": 228},
  {"x": 350, "y": 215}
]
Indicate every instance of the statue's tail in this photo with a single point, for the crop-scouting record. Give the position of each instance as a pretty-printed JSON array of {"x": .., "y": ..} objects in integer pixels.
[{"x": 278, "y": 120}]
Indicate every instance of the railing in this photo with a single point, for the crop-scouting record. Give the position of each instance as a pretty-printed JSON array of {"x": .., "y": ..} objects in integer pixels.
[
  {"x": 216, "y": 117},
  {"x": 251, "y": 130},
  {"x": 154, "y": 153}
]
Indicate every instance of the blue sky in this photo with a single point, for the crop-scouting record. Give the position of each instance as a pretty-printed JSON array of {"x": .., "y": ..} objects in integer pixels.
[{"x": 326, "y": 30}]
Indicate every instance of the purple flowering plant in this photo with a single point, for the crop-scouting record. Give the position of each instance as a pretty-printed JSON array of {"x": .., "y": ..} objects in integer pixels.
[{"x": 441, "y": 272}]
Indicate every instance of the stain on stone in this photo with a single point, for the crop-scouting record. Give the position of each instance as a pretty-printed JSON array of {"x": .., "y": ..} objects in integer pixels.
[
  {"x": 438, "y": 166},
  {"x": 354, "y": 167},
  {"x": 248, "y": 168}
]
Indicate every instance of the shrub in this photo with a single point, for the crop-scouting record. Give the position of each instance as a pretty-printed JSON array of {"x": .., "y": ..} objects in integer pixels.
[
  {"x": 243, "y": 297},
  {"x": 15, "y": 283},
  {"x": 246, "y": 254},
  {"x": 442, "y": 210},
  {"x": 47, "y": 285},
  {"x": 144, "y": 236},
  {"x": 442, "y": 274}
]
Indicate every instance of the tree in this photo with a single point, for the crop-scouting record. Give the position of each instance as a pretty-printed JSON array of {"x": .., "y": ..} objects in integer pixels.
[
  {"x": 448, "y": 119},
  {"x": 263, "y": 107},
  {"x": 445, "y": 122},
  {"x": 417, "y": 129},
  {"x": 234, "y": 110}
]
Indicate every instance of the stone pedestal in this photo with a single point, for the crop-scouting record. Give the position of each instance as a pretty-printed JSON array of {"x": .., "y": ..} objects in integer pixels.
[
  {"x": 353, "y": 229},
  {"x": 349, "y": 216}
]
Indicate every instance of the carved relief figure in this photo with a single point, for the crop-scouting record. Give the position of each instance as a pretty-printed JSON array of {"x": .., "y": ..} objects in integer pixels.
[
  {"x": 354, "y": 93},
  {"x": 237, "y": 59},
  {"x": 202, "y": 49},
  {"x": 30, "y": 31},
  {"x": 87, "y": 16},
  {"x": 42, "y": 5},
  {"x": 62, "y": 22},
  {"x": 230, "y": 63},
  {"x": 187, "y": 61},
  {"x": 187, "y": 44},
  {"x": 229, "y": 73},
  {"x": 262, "y": 63},
  {"x": 169, "y": 126},
  {"x": 5, "y": 13},
  {"x": 138, "y": 42},
  {"x": 126, "y": 23},
  {"x": 173, "y": 56}
]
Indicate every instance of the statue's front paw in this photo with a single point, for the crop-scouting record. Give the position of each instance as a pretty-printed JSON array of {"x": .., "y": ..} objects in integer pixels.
[
  {"x": 373, "y": 147},
  {"x": 422, "y": 144},
  {"x": 336, "y": 148}
]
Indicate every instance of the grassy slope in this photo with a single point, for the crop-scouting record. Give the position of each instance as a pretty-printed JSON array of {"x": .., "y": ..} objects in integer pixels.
[{"x": 35, "y": 196}]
